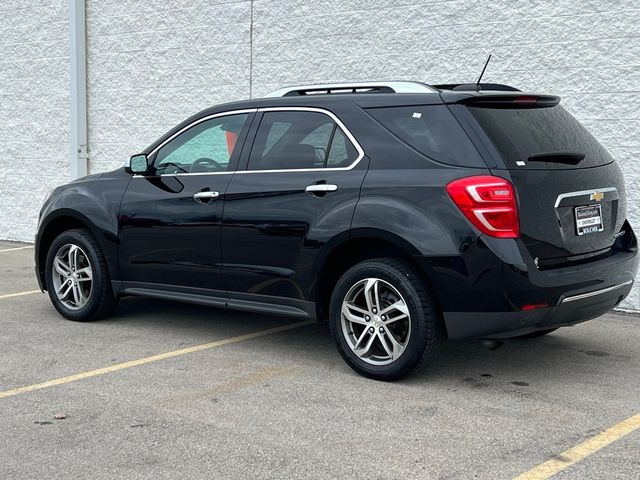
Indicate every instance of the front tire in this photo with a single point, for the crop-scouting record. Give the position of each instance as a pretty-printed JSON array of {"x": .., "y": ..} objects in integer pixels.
[
  {"x": 76, "y": 277},
  {"x": 383, "y": 320}
]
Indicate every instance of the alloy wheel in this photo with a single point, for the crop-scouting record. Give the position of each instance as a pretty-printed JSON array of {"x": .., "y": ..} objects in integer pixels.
[
  {"x": 72, "y": 276},
  {"x": 376, "y": 322}
]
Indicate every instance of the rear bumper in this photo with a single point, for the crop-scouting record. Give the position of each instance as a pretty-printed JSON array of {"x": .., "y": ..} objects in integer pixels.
[
  {"x": 572, "y": 309},
  {"x": 489, "y": 290}
]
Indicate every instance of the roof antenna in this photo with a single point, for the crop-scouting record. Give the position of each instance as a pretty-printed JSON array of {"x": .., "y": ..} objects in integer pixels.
[{"x": 483, "y": 69}]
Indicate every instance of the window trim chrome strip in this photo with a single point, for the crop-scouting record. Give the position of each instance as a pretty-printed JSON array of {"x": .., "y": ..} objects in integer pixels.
[
  {"x": 562, "y": 196},
  {"x": 200, "y": 120},
  {"x": 187, "y": 174},
  {"x": 330, "y": 114},
  {"x": 184, "y": 129},
  {"x": 581, "y": 296}
]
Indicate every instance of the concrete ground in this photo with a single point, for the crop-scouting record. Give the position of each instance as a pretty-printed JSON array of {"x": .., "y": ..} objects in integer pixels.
[{"x": 285, "y": 405}]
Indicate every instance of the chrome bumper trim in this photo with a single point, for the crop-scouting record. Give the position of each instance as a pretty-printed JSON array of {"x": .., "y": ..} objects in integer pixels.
[{"x": 596, "y": 292}]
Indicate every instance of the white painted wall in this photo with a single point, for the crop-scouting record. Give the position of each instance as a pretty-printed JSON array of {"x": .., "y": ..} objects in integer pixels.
[
  {"x": 34, "y": 110},
  {"x": 149, "y": 67},
  {"x": 152, "y": 63}
]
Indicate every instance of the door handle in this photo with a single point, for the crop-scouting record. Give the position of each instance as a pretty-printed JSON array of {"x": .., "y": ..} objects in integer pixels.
[
  {"x": 321, "y": 188},
  {"x": 204, "y": 197}
]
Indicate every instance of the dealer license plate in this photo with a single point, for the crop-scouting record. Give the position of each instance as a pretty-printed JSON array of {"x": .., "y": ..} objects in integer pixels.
[{"x": 589, "y": 219}]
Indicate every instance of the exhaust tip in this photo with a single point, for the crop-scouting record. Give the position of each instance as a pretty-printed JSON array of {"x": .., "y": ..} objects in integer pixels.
[{"x": 491, "y": 343}]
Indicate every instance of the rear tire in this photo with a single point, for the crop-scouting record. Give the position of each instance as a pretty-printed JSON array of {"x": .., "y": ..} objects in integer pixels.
[
  {"x": 76, "y": 277},
  {"x": 383, "y": 320}
]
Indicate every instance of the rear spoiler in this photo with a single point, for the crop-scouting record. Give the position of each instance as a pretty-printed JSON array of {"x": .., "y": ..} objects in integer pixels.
[
  {"x": 476, "y": 87},
  {"x": 511, "y": 101}
]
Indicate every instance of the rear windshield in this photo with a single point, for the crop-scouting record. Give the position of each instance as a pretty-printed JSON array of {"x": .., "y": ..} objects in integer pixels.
[
  {"x": 431, "y": 130},
  {"x": 520, "y": 133}
]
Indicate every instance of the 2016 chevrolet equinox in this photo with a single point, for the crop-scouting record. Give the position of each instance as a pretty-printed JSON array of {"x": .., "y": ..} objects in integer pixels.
[{"x": 402, "y": 212}]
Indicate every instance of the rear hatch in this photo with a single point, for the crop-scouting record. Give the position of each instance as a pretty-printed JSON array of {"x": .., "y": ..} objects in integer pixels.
[{"x": 570, "y": 191}]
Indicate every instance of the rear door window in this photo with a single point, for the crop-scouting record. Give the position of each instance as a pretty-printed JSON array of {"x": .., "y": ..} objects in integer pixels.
[
  {"x": 431, "y": 130},
  {"x": 295, "y": 140},
  {"x": 520, "y": 133}
]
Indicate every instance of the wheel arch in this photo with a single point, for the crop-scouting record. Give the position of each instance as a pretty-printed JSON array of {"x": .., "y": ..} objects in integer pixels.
[
  {"x": 55, "y": 224},
  {"x": 361, "y": 244}
]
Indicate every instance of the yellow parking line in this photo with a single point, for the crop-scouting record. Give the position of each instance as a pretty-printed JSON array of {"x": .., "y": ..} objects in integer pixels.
[
  {"x": 245, "y": 381},
  {"x": 153, "y": 358},
  {"x": 582, "y": 450},
  {"x": 15, "y": 248},
  {"x": 19, "y": 294}
]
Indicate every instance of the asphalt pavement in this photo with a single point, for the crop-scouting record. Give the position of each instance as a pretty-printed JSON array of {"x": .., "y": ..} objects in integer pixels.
[{"x": 168, "y": 390}]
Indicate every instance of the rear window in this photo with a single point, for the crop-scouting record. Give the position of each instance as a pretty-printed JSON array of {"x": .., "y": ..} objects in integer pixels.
[
  {"x": 431, "y": 130},
  {"x": 520, "y": 133}
]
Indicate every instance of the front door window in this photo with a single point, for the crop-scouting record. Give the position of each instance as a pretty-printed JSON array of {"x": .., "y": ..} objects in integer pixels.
[{"x": 204, "y": 148}]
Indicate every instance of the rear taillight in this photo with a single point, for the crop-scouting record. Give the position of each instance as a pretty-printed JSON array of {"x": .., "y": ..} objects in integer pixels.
[{"x": 489, "y": 203}]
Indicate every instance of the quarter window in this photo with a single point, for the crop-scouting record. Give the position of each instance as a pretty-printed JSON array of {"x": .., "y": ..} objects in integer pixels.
[
  {"x": 342, "y": 152},
  {"x": 299, "y": 140},
  {"x": 205, "y": 147},
  {"x": 431, "y": 130}
]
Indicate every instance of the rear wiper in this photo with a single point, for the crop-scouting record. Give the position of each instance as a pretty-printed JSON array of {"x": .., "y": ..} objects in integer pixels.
[{"x": 567, "y": 158}]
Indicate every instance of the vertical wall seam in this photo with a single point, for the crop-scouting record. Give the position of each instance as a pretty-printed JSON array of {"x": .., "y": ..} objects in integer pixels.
[
  {"x": 78, "y": 88},
  {"x": 251, "y": 52}
]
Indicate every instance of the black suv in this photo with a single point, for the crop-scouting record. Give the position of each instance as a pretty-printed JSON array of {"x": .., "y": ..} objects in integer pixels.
[{"x": 402, "y": 212}]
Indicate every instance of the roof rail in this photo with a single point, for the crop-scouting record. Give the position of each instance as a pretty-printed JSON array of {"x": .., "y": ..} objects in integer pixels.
[
  {"x": 496, "y": 87},
  {"x": 353, "y": 87}
]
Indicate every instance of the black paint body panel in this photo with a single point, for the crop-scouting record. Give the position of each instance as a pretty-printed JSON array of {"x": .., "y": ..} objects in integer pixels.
[
  {"x": 273, "y": 230},
  {"x": 92, "y": 201},
  {"x": 167, "y": 237}
]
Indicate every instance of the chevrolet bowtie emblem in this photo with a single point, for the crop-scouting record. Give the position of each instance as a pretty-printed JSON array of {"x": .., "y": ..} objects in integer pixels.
[{"x": 597, "y": 196}]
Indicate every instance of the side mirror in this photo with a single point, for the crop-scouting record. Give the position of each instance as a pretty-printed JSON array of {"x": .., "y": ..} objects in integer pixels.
[{"x": 137, "y": 164}]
